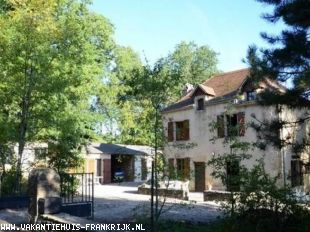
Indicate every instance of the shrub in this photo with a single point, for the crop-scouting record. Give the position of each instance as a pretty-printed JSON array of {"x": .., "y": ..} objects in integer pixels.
[
  {"x": 9, "y": 187},
  {"x": 263, "y": 206}
]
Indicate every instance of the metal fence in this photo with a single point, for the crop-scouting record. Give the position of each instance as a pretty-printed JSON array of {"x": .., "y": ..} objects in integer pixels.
[
  {"x": 13, "y": 190},
  {"x": 12, "y": 184},
  {"x": 77, "y": 189}
]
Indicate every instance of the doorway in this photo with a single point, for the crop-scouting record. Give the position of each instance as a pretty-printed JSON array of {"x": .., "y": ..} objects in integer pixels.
[{"x": 200, "y": 177}]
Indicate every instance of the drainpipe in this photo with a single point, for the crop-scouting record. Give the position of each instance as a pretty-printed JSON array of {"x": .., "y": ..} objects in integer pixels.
[{"x": 282, "y": 151}]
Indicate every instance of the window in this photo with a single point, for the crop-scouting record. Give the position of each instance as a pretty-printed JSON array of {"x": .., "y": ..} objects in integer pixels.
[
  {"x": 183, "y": 168},
  {"x": 200, "y": 104},
  {"x": 296, "y": 172},
  {"x": 235, "y": 124},
  {"x": 182, "y": 130},
  {"x": 232, "y": 123},
  {"x": 250, "y": 95},
  {"x": 233, "y": 178},
  {"x": 170, "y": 132}
]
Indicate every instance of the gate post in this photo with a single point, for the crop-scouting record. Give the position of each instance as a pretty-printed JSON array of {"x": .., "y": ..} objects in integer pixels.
[{"x": 43, "y": 188}]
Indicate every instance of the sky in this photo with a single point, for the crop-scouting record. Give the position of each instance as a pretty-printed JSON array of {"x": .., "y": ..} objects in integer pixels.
[{"x": 154, "y": 27}]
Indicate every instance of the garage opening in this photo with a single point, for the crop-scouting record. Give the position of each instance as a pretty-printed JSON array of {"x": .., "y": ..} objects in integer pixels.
[{"x": 122, "y": 167}]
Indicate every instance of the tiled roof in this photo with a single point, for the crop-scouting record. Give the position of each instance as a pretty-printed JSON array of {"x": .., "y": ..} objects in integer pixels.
[
  {"x": 208, "y": 90},
  {"x": 180, "y": 104},
  {"x": 227, "y": 82},
  {"x": 220, "y": 86}
]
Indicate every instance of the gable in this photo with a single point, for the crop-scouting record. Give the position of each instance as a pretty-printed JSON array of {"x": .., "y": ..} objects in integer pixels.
[
  {"x": 226, "y": 83},
  {"x": 198, "y": 92}
]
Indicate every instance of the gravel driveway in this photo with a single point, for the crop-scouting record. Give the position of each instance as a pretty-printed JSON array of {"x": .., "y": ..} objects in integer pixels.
[{"x": 122, "y": 203}]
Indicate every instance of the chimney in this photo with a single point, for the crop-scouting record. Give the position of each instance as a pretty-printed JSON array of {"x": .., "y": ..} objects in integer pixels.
[{"x": 187, "y": 88}]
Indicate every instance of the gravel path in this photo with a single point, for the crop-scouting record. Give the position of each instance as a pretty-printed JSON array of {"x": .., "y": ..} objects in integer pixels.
[{"x": 121, "y": 203}]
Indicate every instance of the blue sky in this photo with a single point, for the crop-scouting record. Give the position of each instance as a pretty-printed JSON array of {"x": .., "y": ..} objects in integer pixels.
[{"x": 154, "y": 27}]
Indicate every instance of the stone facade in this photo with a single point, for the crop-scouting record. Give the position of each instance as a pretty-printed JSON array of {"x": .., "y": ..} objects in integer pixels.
[{"x": 200, "y": 110}]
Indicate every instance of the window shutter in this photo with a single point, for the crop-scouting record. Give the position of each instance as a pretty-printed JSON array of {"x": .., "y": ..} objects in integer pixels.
[
  {"x": 220, "y": 126},
  {"x": 187, "y": 168},
  {"x": 241, "y": 123},
  {"x": 186, "y": 130},
  {"x": 170, "y": 132}
]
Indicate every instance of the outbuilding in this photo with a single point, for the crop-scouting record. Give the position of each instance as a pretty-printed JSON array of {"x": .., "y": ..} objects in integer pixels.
[{"x": 109, "y": 161}]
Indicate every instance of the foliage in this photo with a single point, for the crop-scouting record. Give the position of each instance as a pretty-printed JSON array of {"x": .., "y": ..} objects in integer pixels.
[
  {"x": 6, "y": 157},
  {"x": 119, "y": 118},
  {"x": 69, "y": 184},
  {"x": 286, "y": 60},
  {"x": 52, "y": 54},
  {"x": 190, "y": 63},
  {"x": 8, "y": 184},
  {"x": 262, "y": 206},
  {"x": 256, "y": 202},
  {"x": 126, "y": 110},
  {"x": 289, "y": 55}
]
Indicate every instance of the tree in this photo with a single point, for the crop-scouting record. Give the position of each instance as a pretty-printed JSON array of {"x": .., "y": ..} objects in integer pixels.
[
  {"x": 288, "y": 58},
  {"x": 52, "y": 54},
  {"x": 190, "y": 63},
  {"x": 228, "y": 167},
  {"x": 5, "y": 6},
  {"x": 119, "y": 113},
  {"x": 150, "y": 86}
]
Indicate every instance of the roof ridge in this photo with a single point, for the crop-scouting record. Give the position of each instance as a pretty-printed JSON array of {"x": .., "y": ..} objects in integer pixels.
[{"x": 225, "y": 73}]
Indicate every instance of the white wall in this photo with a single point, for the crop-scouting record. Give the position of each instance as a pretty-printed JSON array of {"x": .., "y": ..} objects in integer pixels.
[
  {"x": 138, "y": 171},
  {"x": 138, "y": 167}
]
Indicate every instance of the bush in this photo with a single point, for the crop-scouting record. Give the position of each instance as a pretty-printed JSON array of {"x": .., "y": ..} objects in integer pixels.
[
  {"x": 263, "y": 206},
  {"x": 69, "y": 184},
  {"x": 9, "y": 187}
]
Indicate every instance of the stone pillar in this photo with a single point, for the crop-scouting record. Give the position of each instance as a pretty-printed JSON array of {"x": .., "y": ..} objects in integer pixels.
[{"x": 43, "y": 190}]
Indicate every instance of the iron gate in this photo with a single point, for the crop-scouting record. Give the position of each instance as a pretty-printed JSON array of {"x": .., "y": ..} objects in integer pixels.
[{"x": 77, "y": 193}]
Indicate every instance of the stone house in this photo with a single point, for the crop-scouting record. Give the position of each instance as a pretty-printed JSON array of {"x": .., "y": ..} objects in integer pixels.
[
  {"x": 190, "y": 140},
  {"x": 104, "y": 160}
]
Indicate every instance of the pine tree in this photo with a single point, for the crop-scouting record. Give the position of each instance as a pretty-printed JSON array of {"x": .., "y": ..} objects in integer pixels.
[{"x": 288, "y": 58}]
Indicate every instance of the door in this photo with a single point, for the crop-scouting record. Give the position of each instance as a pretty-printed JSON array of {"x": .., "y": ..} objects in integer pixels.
[
  {"x": 106, "y": 171},
  {"x": 200, "y": 177}
]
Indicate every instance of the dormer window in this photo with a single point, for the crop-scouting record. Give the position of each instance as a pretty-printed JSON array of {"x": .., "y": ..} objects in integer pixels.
[
  {"x": 250, "y": 95},
  {"x": 200, "y": 104}
]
